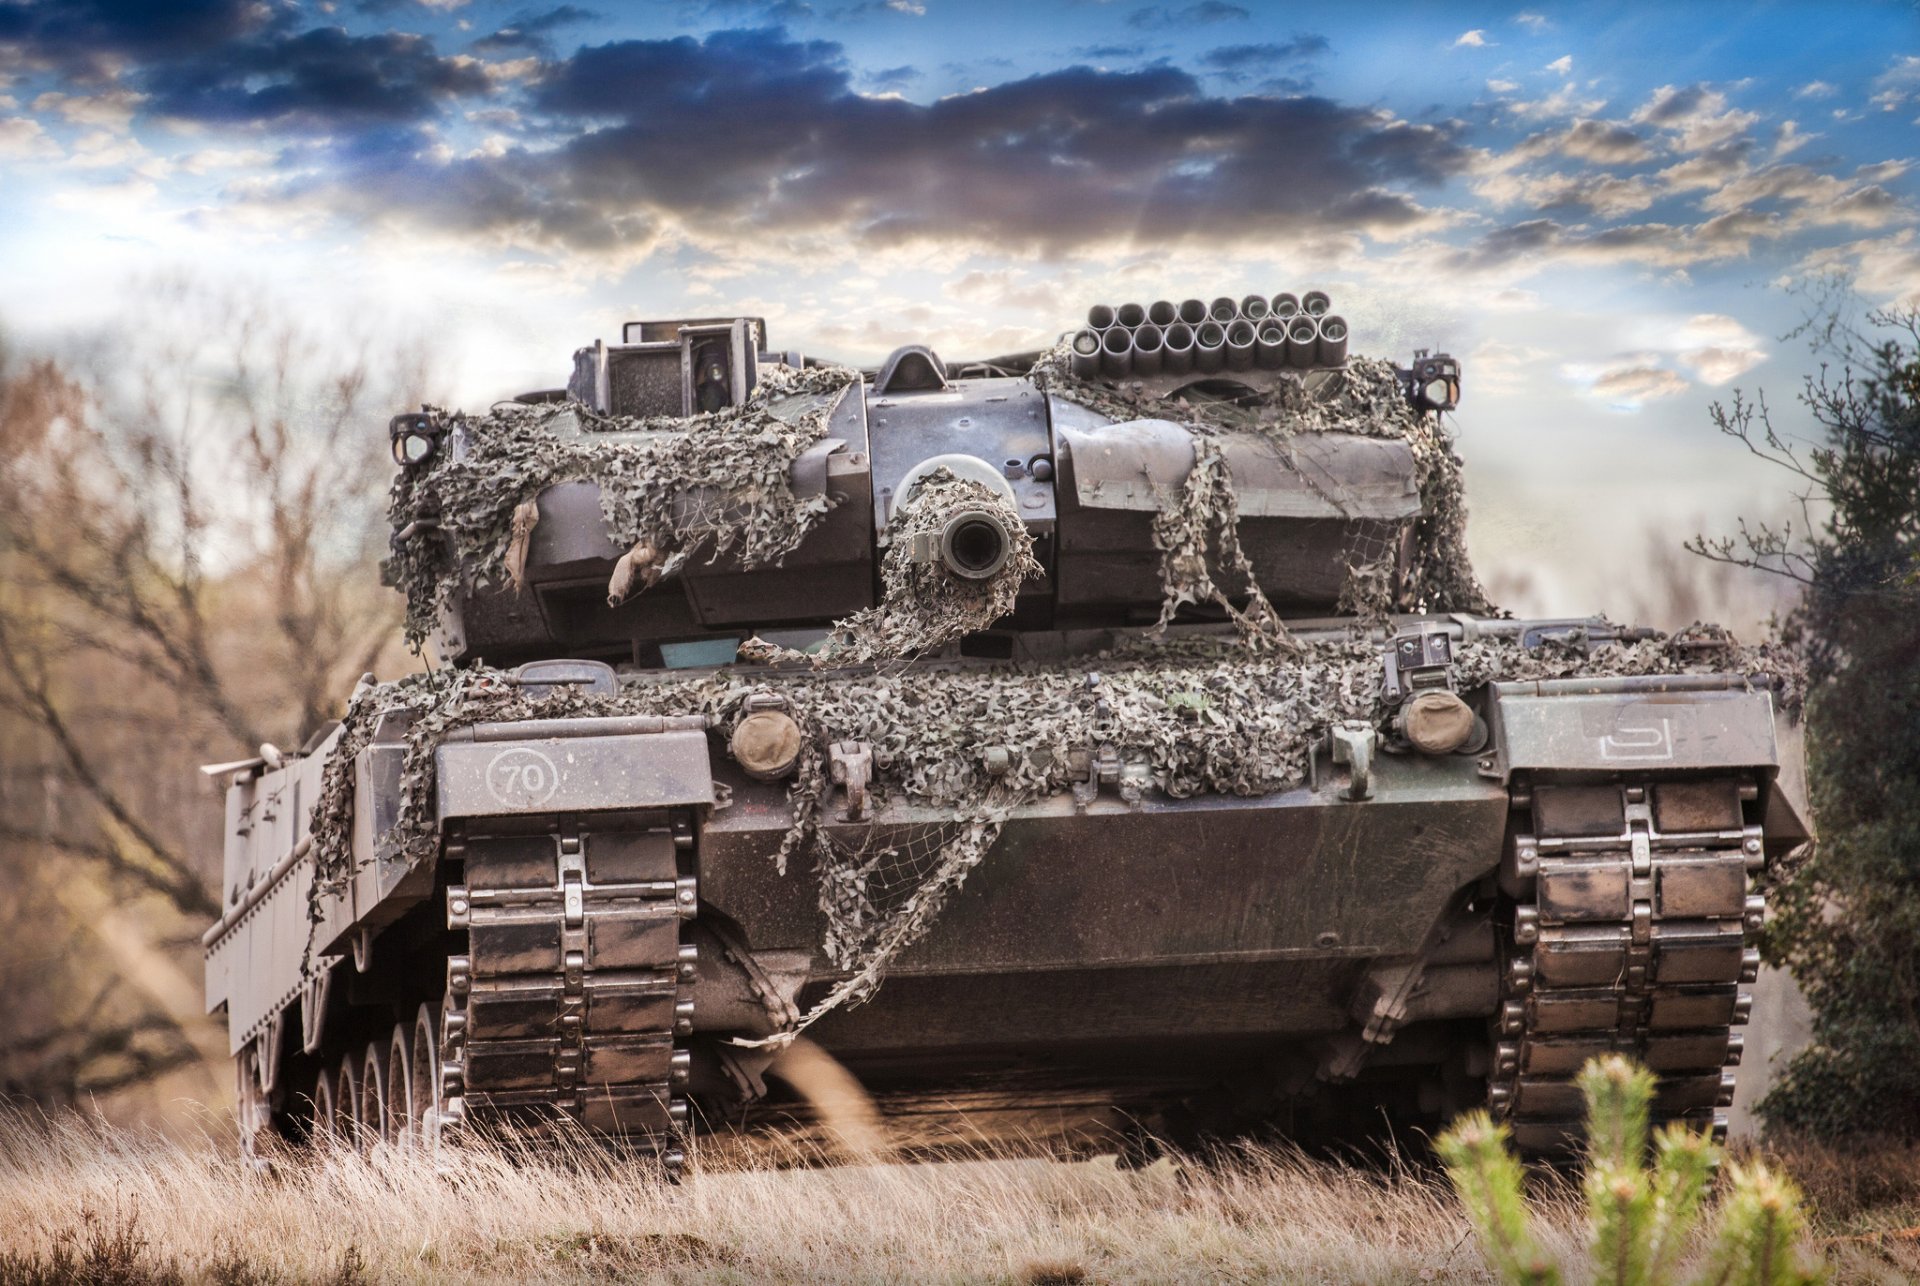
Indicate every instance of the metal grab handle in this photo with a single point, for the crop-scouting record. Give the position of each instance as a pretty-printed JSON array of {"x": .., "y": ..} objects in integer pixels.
[{"x": 1353, "y": 745}]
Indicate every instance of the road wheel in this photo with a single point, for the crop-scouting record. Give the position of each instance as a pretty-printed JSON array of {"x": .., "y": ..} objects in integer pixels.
[
  {"x": 403, "y": 1112},
  {"x": 373, "y": 1096},
  {"x": 323, "y": 1128},
  {"x": 346, "y": 1097},
  {"x": 425, "y": 1070}
]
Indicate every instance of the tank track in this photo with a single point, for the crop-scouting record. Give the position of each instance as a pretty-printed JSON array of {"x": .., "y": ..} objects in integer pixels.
[
  {"x": 1632, "y": 933},
  {"x": 567, "y": 1002}
]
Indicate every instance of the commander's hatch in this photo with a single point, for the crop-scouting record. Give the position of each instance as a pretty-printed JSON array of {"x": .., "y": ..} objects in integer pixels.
[{"x": 674, "y": 368}]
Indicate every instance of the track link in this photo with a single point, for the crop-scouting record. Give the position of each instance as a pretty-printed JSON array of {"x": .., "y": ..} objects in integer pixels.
[
  {"x": 1632, "y": 933},
  {"x": 568, "y": 1000}
]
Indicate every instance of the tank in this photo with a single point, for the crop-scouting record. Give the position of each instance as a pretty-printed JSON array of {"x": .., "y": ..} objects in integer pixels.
[{"x": 1106, "y": 746}]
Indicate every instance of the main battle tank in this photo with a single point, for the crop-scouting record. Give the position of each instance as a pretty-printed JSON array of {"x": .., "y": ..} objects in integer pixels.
[{"x": 1108, "y": 744}]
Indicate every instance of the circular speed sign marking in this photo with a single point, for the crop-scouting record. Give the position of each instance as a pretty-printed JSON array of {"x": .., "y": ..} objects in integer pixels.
[{"x": 521, "y": 777}]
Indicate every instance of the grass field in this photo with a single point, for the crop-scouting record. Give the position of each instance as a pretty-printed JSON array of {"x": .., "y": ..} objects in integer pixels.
[{"x": 84, "y": 1203}]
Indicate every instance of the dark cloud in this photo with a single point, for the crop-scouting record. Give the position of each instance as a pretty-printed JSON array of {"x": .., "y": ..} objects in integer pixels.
[
  {"x": 677, "y": 133},
  {"x": 236, "y": 61},
  {"x": 320, "y": 80},
  {"x": 1154, "y": 17},
  {"x": 1110, "y": 53},
  {"x": 1241, "y": 58},
  {"x": 532, "y": 32},
  {"x": 892, "y": 78},
  {"x": 83, "y": 38}
]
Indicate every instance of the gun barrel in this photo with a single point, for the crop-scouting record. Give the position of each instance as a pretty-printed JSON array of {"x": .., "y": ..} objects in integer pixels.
[
  {"x": 1086, "y": 355},
  {"x": 975, "y": 543}
]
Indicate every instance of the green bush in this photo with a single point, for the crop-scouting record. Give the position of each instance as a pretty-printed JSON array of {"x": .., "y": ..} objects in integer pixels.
[{"x": 1639, "y": 1218}]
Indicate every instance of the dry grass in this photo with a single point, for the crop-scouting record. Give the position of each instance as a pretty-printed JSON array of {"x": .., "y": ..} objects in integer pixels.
[
  {"x": 192, "y": 1213},
  {"x": 84, "y": 1202}
]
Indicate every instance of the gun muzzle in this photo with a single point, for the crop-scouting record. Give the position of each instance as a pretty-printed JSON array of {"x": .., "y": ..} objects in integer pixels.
[
  {"x": 1303, "y": 337},
  {"x": 1116, "y": 351},
  {"x": 1193, "y": 311},
  {"x": 1315, "y": 303},
  {"x": 1086, "y": 355},
  {"x": 1130, "y": 315},
  {"x": 1147, "y": 350},
  {"x": 975, "y": 543},
  {"x": 1333, "y": 341},
  {"x": 1241, "y": 338},
  {"x": 1285, "y": 305},
  {"x": 1099, "y": 317},
  {"x": 1210, "y": 347},
  {"x": 1177, "y": 349}
]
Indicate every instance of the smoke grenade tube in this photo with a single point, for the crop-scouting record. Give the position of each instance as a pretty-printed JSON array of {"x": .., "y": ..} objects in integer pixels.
[
  {"x": 1130, "y": 315},
  {"x": 1193, "y": 311},
  {"x": 1254, "y": 308},
  {"x": 1162, "y": 313},
  {"x": 1086, "y": 355},
  {"x": 1333, "y": 341},
  {"x": 1240, "y": 342},
  {"x": 1147, "y": 350},
  {"x": 1315, "y": 303},
  {"x": 1209, "y": 347},
  {"x": 1270, "y": 348},
  {"x": 1116, "y": 350},
  {"x": 1177, "y": 344},
  {"x": 1223, "y": 310},
  {"x": 1285, "y": 305},
  {"x": 1302, "y": 337},
  {"x": 1099, "y": 317}
]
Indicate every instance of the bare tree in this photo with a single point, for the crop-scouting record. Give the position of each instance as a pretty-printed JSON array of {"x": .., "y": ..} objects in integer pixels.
[{"x": 189, "y": 536}]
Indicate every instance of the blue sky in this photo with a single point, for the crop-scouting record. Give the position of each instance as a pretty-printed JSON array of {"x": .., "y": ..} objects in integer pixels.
[{"x": 1603, "y": 210}]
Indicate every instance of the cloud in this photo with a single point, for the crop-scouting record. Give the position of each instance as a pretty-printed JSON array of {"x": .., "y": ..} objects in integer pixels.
[
  {"x": 235, "y": 62},
  {"x": 1696, "y": 115},
  {"x": 1717, "y": 349},
  {"x": 1563, "y": 64},
  {"x": 1475, "y": 39},
  {"x": 1244, "y": 57},
  {"x": 1898, "y": 84},
  {"x": 1627, "y": 382},
  {"x": 1596, "y": 142},
  {"x": 1533, "y": 22},
  {"x": 1155, "y": 17},
  {"x": 1502, "y": 86},
  {"x": 531, "y": 32},
  {"x": 892, "y": 79},
  {"x": 110, "y": 110},
  {"x": 1815, "y": 89},
  {"x": 22, "y": 138},
  {"x": 666, "y": 138},
  {"x": 1564, "y": 101}
]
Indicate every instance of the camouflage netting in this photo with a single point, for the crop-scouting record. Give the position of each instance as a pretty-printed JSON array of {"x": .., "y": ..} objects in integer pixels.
[
  {"x": 1363, "y": 397},
  {"x": 670, "y": 488},
  {"x": 924, "y": 604},
  {"x": 1188, "y": 716}
]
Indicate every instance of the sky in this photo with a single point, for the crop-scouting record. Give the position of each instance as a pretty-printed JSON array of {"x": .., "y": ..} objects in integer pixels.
[{"x": 1609, "y": 213}]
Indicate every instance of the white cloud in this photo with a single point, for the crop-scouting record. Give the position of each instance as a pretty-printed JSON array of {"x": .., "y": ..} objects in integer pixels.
[
  {"x": 913, "y": 7},
  {"x": 1790, "y": 139},
  {"x": 215, "y": 158},
  {"x": 1717, "y": 349},
  {"x": 1563, "y": 64},
  {"x": 1897, "y": 84},
  {"x": 1503, "y": 86},
  {"x": 1475, "y": 39},
  {"x": 1885, "y": 268},
  {"x": 1533, "y": 22},
  {"x": 112, "y": 110},
  {"x": 1564, "y": 101},
  {"x": 1815, "y": 89},
  {"x": 1627, "y": 382},
  {"x": 1499, "y": 367},
  {"x": 1697, "y": 116},
  {"x": 22, "y": 138}
]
